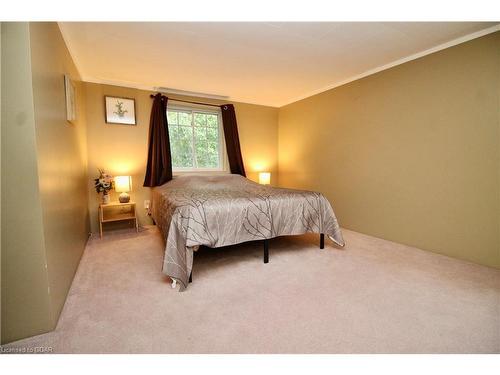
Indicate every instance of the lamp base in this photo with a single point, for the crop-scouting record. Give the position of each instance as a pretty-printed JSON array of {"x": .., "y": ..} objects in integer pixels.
[{"x": 124, "y": 198}]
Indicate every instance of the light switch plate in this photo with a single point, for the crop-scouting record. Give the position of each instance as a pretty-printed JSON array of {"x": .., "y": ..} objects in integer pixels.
[{"x": 146, "y": 204}]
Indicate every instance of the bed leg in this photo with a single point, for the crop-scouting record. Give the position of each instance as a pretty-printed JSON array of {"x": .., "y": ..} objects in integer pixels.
[
  {"x": 191, "y": 276},
  {"x": 322, "y": 241},
  {"x": 266, "y": 251}
]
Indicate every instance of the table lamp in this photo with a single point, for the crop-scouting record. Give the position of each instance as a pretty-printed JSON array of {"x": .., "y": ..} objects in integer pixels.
[
  {"x": 264, "y": 178},
  {"x": 123, "y": 184}
]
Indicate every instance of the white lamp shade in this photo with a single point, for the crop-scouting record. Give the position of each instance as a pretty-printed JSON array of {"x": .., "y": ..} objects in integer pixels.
[
  {"x": 264, "y": 178},
  {"x": 123, "y": 184}
]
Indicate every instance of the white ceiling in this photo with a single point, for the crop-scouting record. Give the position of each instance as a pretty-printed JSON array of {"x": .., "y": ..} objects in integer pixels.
[{"x": 264, "y": 63}]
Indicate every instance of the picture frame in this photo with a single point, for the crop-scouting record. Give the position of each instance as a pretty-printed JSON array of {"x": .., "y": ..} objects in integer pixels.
[
  {"x": 70, "y": 99},
  {"x": 119, "y": 110}
]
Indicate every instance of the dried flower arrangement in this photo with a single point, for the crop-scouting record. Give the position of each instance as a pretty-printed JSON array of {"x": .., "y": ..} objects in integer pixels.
[{"x": 104, "y": 184}]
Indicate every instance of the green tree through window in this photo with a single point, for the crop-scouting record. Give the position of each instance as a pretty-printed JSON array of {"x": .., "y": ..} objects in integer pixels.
[{"x": 194, "y": 139}]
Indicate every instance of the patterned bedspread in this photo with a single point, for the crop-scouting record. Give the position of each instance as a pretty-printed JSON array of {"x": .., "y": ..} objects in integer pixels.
[{"x": 221, "y": 210}]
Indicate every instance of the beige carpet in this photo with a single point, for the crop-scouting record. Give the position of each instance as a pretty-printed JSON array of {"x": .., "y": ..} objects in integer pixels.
[{"x": 373, "y": 297}]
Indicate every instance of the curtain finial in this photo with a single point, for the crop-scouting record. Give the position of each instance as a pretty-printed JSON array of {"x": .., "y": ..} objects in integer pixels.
[{"x": 158, "y": 95}]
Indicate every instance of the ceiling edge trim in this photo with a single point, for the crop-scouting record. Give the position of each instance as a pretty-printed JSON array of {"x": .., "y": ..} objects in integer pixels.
[{"x": 403, "y": 60}]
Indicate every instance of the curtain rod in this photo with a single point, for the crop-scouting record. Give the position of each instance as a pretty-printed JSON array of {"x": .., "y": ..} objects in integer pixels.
[{"x": 187, "y": 101}]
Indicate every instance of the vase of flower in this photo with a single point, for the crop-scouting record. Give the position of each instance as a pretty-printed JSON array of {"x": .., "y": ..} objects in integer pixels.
[
  {"x": 105, "y": 197},
  {"x": 103, "y": 185}
]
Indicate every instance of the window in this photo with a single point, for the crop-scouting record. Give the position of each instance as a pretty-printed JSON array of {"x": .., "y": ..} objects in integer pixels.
[{"x": 196, "y": 140}]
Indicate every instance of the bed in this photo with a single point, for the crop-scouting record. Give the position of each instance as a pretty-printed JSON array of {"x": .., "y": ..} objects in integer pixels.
[{"x": 222, "y": 210}]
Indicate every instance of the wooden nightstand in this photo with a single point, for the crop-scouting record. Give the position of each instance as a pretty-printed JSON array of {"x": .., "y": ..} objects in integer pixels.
[{"x": 116, "y": 211}]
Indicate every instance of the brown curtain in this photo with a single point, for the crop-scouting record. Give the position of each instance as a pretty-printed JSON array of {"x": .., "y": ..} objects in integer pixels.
[
  {"x": 232, "y": 140},
  {"x": 159, "y": 167}
]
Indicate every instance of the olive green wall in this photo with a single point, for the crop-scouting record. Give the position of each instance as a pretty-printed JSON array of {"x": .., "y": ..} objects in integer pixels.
[
  {"x": 62, "y": 159},
  {"x": 122, "y": 149},
  {"x": 44, "y": 195},
  {"x": 25, "y": 301},
  {"x": 410, "y": 154}
]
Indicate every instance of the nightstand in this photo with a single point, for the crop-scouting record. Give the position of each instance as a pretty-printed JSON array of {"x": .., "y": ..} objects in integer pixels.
[{"x": 116, "y": 211}]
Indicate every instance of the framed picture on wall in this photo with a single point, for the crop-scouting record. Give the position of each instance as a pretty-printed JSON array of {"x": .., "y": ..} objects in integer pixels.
[
  {"x": 69, "y": 90},
  {"x": 120, "y": 110}
]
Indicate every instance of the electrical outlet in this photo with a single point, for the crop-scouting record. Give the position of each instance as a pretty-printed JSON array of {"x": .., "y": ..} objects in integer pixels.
[{"x": 146, "y": 204}]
